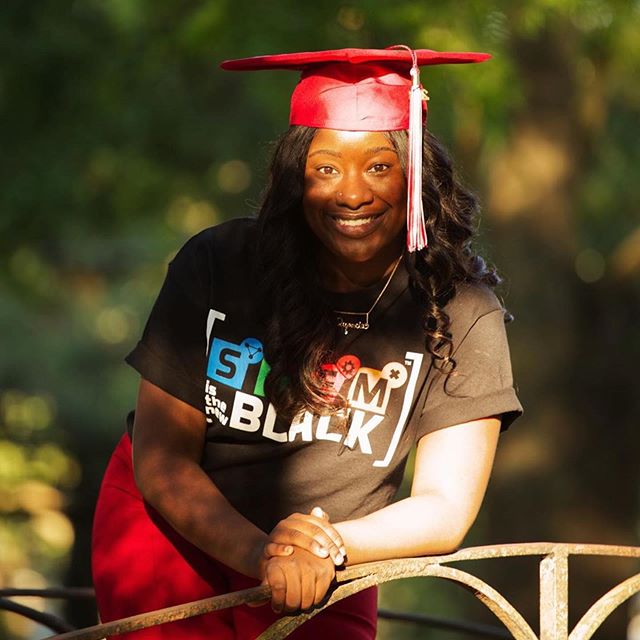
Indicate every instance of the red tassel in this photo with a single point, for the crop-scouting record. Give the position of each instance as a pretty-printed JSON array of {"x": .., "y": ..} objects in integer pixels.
[{"x": 416, "y": 230}]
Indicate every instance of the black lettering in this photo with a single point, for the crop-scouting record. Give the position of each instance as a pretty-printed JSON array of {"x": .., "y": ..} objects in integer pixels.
[
  {"x": 363, "y": 395},
  {"x": 228, "y": 358}
]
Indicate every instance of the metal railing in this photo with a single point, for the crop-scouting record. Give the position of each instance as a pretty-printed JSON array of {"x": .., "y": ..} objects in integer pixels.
[{"x": 553, "y": 582}]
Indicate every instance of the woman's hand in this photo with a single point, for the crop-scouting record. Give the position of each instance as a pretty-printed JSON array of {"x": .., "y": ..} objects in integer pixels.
[
  {"x": 313, "y": 533},
  {"x": 298, "y": 581}
]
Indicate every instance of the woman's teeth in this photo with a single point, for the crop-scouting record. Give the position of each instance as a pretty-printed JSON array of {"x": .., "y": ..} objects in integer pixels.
[{"x": 355, "y": 222}]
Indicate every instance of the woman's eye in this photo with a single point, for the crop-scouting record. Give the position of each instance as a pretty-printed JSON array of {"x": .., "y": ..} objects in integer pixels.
[
  {"x": 327, "y": 170},
  {"x": 378, "y": 167}
]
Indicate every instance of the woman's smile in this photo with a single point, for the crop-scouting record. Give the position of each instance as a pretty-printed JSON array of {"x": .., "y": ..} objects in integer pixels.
[{"x": 357, "y": 225}]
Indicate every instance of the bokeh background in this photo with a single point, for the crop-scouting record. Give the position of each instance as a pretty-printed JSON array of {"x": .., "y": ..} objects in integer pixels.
[{"x": 120, "y": 138}]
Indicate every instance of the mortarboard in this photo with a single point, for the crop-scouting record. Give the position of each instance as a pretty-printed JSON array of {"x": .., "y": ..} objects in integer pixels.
[{"x": 365, "y": 90}]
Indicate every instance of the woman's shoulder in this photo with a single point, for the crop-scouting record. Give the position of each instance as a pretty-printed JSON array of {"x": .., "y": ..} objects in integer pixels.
[
  {"x": 475, "y": 298},
  {"x": 219, "y": 245},
  {"x": 228, "y": 237},
  {"x": 222, "y": 252},
  {"x": 471, "y": 302}
]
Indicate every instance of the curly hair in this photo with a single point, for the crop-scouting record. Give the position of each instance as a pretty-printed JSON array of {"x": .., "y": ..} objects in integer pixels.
[{"x": 299, "y": 326}]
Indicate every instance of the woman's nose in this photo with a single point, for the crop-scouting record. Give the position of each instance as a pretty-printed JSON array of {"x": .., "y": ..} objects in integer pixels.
[{"x": 353, "y": 192}]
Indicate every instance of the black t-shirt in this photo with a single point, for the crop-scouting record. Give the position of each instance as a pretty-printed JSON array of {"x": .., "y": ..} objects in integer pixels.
[{"x": 203, "y": 345}]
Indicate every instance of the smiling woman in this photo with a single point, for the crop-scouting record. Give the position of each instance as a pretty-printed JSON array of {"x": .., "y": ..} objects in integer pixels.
[
  {"x": 355, "y": 203},
  {"x": 292, "y": 362}
]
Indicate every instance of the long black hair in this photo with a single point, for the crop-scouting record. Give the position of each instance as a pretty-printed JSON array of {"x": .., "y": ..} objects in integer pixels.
[{"x": 299, "y": 326}]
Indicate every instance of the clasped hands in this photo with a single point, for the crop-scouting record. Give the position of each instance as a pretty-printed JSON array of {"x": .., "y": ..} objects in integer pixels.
[{"x": 299, "y": 560}]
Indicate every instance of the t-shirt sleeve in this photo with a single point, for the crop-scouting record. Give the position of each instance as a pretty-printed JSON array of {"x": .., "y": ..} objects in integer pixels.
[
  {"x": 172, "y": 350},
  {"x": 481, "y": 384}
]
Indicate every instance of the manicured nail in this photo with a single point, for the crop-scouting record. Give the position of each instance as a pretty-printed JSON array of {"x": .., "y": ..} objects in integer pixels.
[
  {"x": 339, "y": 559},
  {"x": 343, "y": 550},
  {"x": 324, "y": 553}
]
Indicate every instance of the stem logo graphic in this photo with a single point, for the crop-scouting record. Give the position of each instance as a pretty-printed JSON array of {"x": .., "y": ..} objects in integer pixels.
[{"x": 379, "y": 399}]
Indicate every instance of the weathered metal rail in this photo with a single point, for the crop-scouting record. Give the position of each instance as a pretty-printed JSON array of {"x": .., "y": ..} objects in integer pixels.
[
  {"x": 553, "y": 580},
  {"x": 554, "y": 587},
  {"x": 57, "y": 624}
]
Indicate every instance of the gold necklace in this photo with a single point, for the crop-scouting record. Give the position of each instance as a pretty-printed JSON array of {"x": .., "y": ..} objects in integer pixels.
[{"x": 360, "y": 320}]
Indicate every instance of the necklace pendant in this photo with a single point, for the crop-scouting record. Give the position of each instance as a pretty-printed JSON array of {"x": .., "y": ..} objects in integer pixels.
[
  {"x": 348, "y": 321},
  {"x": 360, "y": 319}
]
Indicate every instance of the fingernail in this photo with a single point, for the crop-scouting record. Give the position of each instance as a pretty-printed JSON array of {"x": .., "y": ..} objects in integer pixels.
[
  {"x": 324, "y": 553},
  {"x": 288, "y": 549},
  {"x": 339, "y": 559},
  {"x": 343, "y": 550}
]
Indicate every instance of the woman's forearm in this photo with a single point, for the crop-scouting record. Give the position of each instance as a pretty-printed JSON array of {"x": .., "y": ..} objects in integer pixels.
[
  {"x": 168, "y": 440},
  {"x": 189, "y": 501},
  {"x": 450, "y": 478},
  {"x": 419, "y": 525}
]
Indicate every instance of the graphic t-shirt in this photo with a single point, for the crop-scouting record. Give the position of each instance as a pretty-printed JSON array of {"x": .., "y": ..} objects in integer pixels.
[{"x": 203, "y": 345}]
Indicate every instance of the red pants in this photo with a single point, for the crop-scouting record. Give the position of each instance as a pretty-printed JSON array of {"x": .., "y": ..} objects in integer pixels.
[{"x": 141, "y": 564}]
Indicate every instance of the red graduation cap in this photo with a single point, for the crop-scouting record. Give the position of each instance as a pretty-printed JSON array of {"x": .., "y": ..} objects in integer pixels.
[{"x": 365, "y": 90}]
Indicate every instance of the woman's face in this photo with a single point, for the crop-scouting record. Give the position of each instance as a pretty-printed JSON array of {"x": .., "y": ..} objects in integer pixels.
[{"x": 355, "y": 194}]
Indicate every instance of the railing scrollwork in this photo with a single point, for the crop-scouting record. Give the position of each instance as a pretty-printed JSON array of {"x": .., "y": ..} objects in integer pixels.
[{"x": 553, "y": 577}]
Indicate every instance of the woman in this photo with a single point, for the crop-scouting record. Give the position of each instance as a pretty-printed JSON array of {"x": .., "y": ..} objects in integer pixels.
[{"x": 291, "y": 363}]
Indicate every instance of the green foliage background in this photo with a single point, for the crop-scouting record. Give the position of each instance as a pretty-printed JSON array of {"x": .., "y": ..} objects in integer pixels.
[{"x": 120, "y": 138}]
